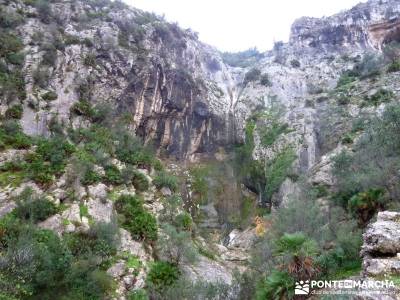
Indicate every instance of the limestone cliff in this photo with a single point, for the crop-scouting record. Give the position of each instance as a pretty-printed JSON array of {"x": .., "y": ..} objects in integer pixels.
[
  {"x": 71, "y": 62},
  {"x": 179, "y": 92}
]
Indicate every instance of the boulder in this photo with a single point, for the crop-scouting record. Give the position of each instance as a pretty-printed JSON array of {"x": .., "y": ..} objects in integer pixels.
[
  {"x": 7, "y": 207},
  {"x": 117, "y": 270},
  {"x": 209, "y": 270},
  {"x": 127, "y": 244},
  {"x": 383, "y": 236},
  {"x": 35, "y": 188},
  {"x": 241, "y": 239},
  {"x": 72, "y": 213},
  {"x": 101, "y": 211},
  {"x": 166, "y": 192},
  {"x": 98, "y": 191},
  {"x": 54, "y": 223},
  {"x": 376, "y": 266},
  {"x": 59, "y": 194}
]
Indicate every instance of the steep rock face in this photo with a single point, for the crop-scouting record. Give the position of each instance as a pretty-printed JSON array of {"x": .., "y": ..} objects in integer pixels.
[
  {"x": 178, "y": 92},
  {"x": 366, "y": 25},
  {"x": 136, "y": 63},
  {"x": 302, "y": 73}
]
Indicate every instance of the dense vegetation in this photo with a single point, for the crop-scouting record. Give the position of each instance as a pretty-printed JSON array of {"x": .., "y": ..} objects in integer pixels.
[
  {"x": 264, "y": 176},
  {"x": 242, "y": 59},
  {"x": 37, "y": 264}
]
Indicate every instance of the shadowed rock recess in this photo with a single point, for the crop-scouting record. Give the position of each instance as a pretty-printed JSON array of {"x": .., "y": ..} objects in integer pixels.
[{"x": 137, "y": 162}]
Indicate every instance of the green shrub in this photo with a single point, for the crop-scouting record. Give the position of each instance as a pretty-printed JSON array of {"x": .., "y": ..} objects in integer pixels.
[
  {"x": 33, "y": 208},
  {"x": 138, "y": 295},
  {"x": 106, "y": 236},
  {"x": 176, "y": 246},
  {"x": 278, "y": 285},
  {"x": 39, "y": 170},
  {"x": 134, "y": 218},
  {"x": 140, "y": 181},
  {"x": 99, "y": 241},
  {"x": 251, "y": 76},
  {"x": 346, "y": 78},
  {"x": 394, "y": 66},
  {"x": 163, "y": 179},
  {"x": 41, "y": 77},
  {"x": 44, "y": 10},
  {"x": 347, "y": 139},
  {"x": 343, "y": 99},
  {"x": 88, "y": 42},
  {"x": 90, "y": 60},
  {"x": 199, "y": 182},
  {"x": 14, "y": 112},
  {"x": 161, "y": 275},
  {"x": 370, "y": 66},
  {"x": 277, "y": 170},
  {"x": 295, "y": 246},
  {"x": 365, "y": 204},
  {"x": 344, "y": 256},
  {"x": 82, "y": 108},
  {"x": 271, "y": 132},
  {"x": 50, "y": 55},
  {"x": 71, "y": 40},
  {"x": 242, "y": 59},
  {"x": 96, "y": 139},
  {"x": 381, "y": 96},
  {"x": 55, "y": 150},
  {"x": 295, "y": 63},
  {"x": 49, "y": 160},
  {"x": 131, "y": 150},
  {"x": 265, "y": 81},
  {"x": 42, "y": 269},
  {"x": 102, "y": 114},
  {"x": 49, "y": 96},
  {"x": 9, "y": 44},
  {"x": 171, "y": 208},
  {"x": 38, "y": 264},
  {"x": 11, "y": 135},
  {"x": 9, "y": 19},
  {"x": 304, "y": 242},
  {"x": 91, "y": 177},
  {"x": 112, "y": 175},
  {"x": 12, "y": 166},
  {"x": 374, "y": 159},
  {"x": 184, "y": 221},
  {"x": 12, "y": 85},
  {"x": 16, "y": 58}
]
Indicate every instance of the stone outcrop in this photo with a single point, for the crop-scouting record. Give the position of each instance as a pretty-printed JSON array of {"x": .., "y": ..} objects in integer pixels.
[
  {"x": 382, "y": 238},
  {"x": 177, "y": 89},
  {"x": 380, "y": 252}
]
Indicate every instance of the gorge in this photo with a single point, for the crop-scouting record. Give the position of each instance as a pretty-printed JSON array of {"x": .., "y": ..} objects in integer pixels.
[{"x": 138, "y": 162}]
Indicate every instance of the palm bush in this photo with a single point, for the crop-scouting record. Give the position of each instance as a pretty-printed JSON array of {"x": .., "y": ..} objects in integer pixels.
[
  {"x": 365, "y": 204},
  {"x": 134, "y": 218},
  {"x": 297, "y": 252},
  {"x": 161, "y": 275},
  {"x": 33, "y": 208},
  {"x": 277, "y": 286},
  {"x": 163, "y": 179}
]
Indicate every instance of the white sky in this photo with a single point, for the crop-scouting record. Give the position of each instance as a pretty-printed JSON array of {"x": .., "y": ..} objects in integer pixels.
[{"x": 234, "y": 25}]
